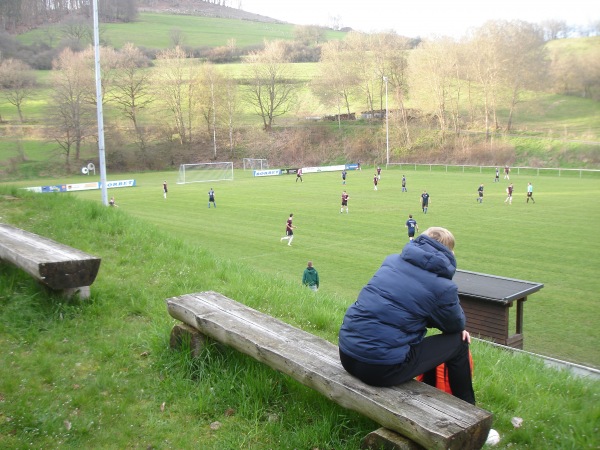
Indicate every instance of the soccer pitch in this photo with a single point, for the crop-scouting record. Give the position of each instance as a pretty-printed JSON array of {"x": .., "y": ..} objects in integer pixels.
[{"x": 553, "y": 241}]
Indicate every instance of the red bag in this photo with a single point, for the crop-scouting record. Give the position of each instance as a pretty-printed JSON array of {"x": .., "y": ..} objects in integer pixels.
[{"x": 441, "y": 376}]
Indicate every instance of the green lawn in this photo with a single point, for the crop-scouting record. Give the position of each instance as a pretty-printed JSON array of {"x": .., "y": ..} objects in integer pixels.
[
  {"x": 99, "y": 374},
  {"x": 197, "y": 32},
  {"x": 545, "y": 242}
]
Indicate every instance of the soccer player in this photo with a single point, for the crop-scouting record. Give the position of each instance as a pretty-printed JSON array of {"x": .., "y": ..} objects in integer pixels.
[
  {"x": 289, "y": 230},
  {"x": 404, "y": 184},
  {"x": 506, "y": 172},
  {"x": 299, "y": 175},
  {"x": 375, "y": 180},
  {"x": 497, "y": 179},
  {"x": 509, "y": 192},
  {"x": 424, "y": 201},
  {"x": 165, "y": 190},
  {"x": 412, "y": 226},
  {"x": 344, "y": 176},
  {"x": 530, "y": 193},
  {"x": 345, "y": 198},
  {"x": 378, "y": 173},
  {"x": 211, "y": 198},
  {"x": 480, "y": 192}
]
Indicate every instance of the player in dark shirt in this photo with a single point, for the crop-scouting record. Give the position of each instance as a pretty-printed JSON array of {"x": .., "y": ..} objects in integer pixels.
[
  {"x": 344, "y": 177},
  {"x": 378, "y": 173},
  {"x": 165, "y": 190},
  {"x": 375, "y": 180},
  {"x": 425, "y": 201},
  {"x": 404, "y": 184},
  {"x": 211, "y": 198},
  {"x": 412, "y": 226},
  {"x": 480, "y": 192}
]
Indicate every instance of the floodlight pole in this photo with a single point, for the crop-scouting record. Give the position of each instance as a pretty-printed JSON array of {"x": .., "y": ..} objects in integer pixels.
[
  {"x": 99, "y": 113},
  {"x": 387, "y": 128}
]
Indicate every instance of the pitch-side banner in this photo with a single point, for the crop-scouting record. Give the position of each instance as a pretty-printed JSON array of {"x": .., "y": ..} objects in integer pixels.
[
  {"x": 82, "y": 186},
  {"x": 267, "y": 173},
  {"x": 323, "y": 169}
]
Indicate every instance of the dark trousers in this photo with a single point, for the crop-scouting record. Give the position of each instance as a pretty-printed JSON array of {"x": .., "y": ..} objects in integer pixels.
[{"x": 423, "y": 358}]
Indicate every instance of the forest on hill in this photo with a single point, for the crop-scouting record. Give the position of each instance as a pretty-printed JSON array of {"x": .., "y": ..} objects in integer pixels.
[{"x": 504, "y": 95}]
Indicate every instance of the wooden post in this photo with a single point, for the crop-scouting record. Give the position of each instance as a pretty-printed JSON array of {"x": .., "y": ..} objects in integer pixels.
[{"x": 183, "y": 335}]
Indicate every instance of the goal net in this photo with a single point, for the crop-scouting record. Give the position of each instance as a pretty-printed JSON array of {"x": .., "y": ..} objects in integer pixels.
[
  {"x": 204, "y": 172},
  {"x": 255, "y": 164}
]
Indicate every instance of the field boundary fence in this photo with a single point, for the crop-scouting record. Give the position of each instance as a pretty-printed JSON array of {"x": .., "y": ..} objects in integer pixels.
[{"x": 519, "y": 170}]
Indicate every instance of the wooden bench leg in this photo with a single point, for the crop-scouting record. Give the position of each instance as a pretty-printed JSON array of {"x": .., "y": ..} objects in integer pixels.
[
  {"x": 384, "y": 439},
  {"x": 184, "y": 334},
  {"x": 83, "y": 292}
]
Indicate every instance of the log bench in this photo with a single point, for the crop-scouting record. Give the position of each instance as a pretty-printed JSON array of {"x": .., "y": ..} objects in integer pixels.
[
  {"x": 487, "y": 301},
  {"x": 57, "y": 266},
  {"x": 412, "y": 415}
]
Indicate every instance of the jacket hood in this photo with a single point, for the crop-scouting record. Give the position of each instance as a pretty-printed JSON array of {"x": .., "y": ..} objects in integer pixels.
[{"x": 430, "y": 255}]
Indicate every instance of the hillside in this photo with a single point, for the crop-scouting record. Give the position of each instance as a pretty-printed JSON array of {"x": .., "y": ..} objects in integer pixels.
[{"x": 201, "y": 8}]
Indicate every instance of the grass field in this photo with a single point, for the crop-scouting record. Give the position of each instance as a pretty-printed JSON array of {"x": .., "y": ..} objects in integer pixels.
[
  {"x": 197, "y": 32},
  {"x": 99, "y": 374},
  {"x": 550, "y": 241}
]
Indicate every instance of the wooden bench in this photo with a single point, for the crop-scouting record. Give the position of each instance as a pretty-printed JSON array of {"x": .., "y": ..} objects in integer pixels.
[
  {"x": 57, "y": 266},
  {"x": 414, "y": 415},
  {"x": 487, "y": 301}
]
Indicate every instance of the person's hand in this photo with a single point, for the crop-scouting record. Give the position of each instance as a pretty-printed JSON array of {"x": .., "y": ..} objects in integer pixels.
[{"x": 466, "y": 336}]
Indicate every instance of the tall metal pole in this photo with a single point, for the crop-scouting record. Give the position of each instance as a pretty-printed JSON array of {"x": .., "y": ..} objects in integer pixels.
[
  {"x": 387, "y": 128},
  {"x": 99, "y": 113}
]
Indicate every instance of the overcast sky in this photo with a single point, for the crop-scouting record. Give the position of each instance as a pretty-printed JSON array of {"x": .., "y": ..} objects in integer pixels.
[{"x": 423, "y": 17}]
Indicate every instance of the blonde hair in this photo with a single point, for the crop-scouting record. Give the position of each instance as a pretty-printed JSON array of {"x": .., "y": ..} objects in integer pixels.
[{"x": 442, "y": 235}]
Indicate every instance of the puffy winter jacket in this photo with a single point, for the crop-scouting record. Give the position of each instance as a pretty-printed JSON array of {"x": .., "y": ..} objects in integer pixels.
[{"x": 410, "y": 292}]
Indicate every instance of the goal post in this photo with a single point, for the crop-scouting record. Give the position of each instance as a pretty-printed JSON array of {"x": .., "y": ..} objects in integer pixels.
[
  {"x": 205, "y": 172},
  {"x": 255, "y": 164}
]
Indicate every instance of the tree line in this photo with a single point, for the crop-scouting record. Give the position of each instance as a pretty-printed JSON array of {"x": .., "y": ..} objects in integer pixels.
[
  {"x": 16, "y": 15},
  {"x": 182, "y": 104}
]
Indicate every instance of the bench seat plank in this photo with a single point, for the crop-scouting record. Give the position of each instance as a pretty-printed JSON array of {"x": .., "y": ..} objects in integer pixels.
[
  {"x": 424, "y": 414},
  {"x": 56, "y": 265}
]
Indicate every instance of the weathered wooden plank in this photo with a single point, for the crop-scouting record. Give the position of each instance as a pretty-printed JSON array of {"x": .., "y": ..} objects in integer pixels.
[
  {"x": 56, "y": 265},
  {"x": 419, "y": 412},
  {"x": 384, "y": 439}
]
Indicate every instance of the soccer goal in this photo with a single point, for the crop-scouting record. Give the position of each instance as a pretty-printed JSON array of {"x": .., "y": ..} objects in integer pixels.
[
  {"x": 204, "y": 172},
  {"x": 255, "y": 164}
]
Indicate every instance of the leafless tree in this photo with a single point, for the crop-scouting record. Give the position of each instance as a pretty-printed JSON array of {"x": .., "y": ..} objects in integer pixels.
[
  {"x": 336, "y": 80},
  {"x": 72, "y": 116},
  {"x": 520, "y": 47},
  {"x": 177, "y": 79},
  {"x": 132, "y": 89},
  {"x": 433, "y": 79},
  {"x": 231, "y": 105},
  {"x": 309, "y": 34},
  {"x": 364, "y": 66},
  {"x": 211, "y": 84},
  {"x": 554, "y": 29},
  {"x": 17, "y": 83},
  {"x": 271, "y": 91}
]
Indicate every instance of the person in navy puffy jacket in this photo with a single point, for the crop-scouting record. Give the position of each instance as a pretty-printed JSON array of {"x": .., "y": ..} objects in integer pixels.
[{"x": 382, "y": 340}]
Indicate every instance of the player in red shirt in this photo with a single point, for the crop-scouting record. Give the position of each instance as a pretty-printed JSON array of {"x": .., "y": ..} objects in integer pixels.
[
  {"x": 289, "y": 230},
  {"x": 345, "y": 198}
]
